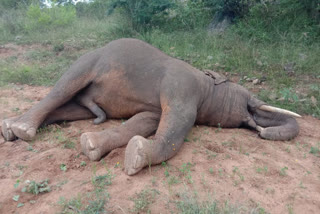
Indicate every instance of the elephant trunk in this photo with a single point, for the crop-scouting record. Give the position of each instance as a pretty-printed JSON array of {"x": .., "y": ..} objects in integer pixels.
[{"x": 276, "y": 126}]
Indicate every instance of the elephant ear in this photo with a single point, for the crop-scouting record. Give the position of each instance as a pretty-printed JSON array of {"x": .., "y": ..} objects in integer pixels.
[{"x": 218, "y": 78}]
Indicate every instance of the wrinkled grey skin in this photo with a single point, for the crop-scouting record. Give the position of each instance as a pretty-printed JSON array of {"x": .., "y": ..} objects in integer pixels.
[{"x": 158, "y": 94}]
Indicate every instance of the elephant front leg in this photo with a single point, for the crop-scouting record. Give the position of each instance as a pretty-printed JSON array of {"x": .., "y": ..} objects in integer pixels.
[
  {"x": 174, "y": 126},
  {"x": 96, "y": 144}
]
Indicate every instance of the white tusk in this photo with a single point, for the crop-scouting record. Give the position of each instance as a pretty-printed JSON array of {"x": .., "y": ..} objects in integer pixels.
[
  {"x": 259, "y": 128},
  {"x": 279, "y": 110}
]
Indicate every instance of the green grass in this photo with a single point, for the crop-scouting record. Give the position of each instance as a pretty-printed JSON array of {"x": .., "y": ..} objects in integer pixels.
[
  {"x": 83, "y": 205},
  {"x": 93, "y": 202},
  {"x": 283, "y": 171},
  {"x": 143, "y": 200},
  {"x": 54, "y": 134},
  {"x": 189, "y": 204},
  {"x": 262, "y": 170},
  {"x": 315, "y": 150},
  {"x": 33, "y": 71}
]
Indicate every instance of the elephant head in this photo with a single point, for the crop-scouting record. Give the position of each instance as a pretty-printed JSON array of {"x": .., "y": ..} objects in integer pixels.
[{"x": 231, "y": 105}]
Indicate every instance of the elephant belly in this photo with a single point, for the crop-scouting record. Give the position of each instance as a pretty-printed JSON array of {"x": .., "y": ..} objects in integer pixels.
[{"x": 119, "y": 98}]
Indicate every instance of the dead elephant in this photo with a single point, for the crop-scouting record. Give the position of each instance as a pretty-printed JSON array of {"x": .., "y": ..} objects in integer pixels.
[{"x": 129, "y": 78}]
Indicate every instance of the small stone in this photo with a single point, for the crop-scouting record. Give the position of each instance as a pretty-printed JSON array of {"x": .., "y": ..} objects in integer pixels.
[
  {"x": 314, "y": 101},
  {"x": 263, "y": 79},
  {"x": 302, "y": 56},
  {"x": 259, "y": 63},
  {"x": 18, "y": 38},
  {"x": 272, "y": 96},
  {"x": 210, "y": 57},
  {"x": 289, "y": 68},
  {"x": 256, "y": 82}
]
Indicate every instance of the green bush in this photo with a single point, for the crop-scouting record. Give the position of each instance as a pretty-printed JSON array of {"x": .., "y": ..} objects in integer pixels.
[
  {"x": 188, "y": 15},
  {"x": 165, "y": 14},
  {"x": 10, "y": 4},
  {"x": 230, "y": 8},
  {"x": 41, "y": 19},
  {"x": 12, "y": 17},
  {"x": 241, "y": 8},
  {"x": 286, "y": 20},
  {"x": 97, "y": 9},
  {"x": 141, "y": 12},
  {"x": 313, "y": 8},
  {"x": 11, "y": 21}
]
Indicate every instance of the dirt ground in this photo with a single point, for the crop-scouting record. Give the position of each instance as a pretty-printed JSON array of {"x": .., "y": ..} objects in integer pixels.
[{"x": 228, "y": 165}]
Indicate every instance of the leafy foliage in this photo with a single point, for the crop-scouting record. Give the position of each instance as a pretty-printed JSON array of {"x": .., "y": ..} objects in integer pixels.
[
  {"x": 188, "y": 15},
  {"x": 143, "y": 200},
  {"x": 292, "y": 20},
  {"x": 9, "y": 4},
  {"x": 141, "y": 12},
  {"x": 96, "y": 9},
  {"x": 230, "y": 8},
  {"x": 44, "y": 18},
  {"x": 36, "y": 188}
]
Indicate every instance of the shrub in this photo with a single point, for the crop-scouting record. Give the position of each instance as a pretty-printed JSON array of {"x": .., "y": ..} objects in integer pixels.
[
  {"x": 188, "y": 15},
  {"x": 312, "y": 7},
  {"x": 278, "y": 21},
  {"x": 96, "y": 9},
  {"x": 10, "y": 4},
  {"x": 43, "y": 18},
  {"x": 230, "y": 8},
  {"x": 141, "y": 12},
  {"x": 11, "y": 21},
  {"x": 165, "y": 14}
]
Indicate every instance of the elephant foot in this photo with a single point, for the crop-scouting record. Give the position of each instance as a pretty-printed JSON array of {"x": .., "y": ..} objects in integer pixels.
[
  {"x": 6, "y": 129},
  {"x": 23, "y": 131},
  {"x": 90, "y": 148},
  {"x": 136, "y": 155}
]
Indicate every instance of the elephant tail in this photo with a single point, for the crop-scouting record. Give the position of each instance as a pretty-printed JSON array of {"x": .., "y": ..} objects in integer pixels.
[{"x": 273, "y": 123}]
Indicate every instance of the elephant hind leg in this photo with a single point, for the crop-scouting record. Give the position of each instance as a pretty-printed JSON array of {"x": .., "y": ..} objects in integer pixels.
[
  {"x": 70, "y": 111},
  {"x": 6, "y": 129},
  {"x": 78, "y": 77}
]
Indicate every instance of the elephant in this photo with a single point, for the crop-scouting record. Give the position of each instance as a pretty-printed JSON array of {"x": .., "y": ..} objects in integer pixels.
[{"x": 158, "y": 94}]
